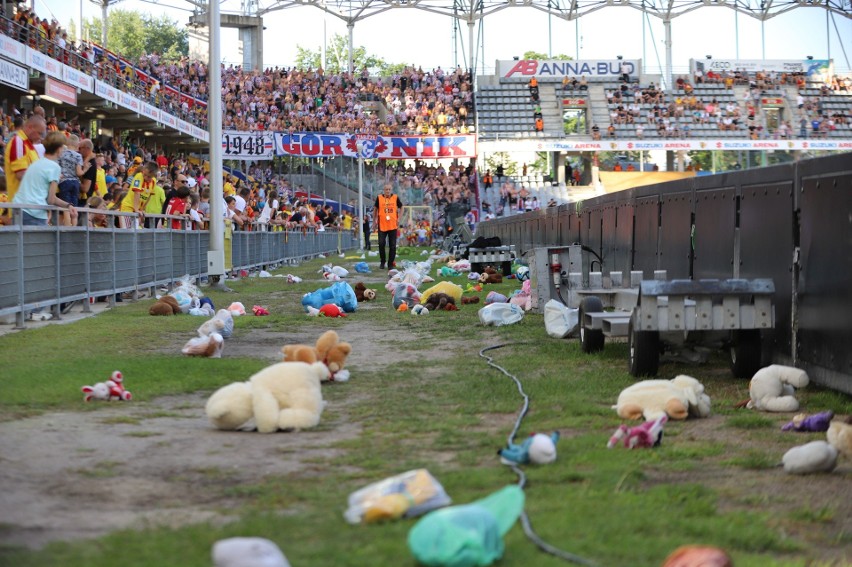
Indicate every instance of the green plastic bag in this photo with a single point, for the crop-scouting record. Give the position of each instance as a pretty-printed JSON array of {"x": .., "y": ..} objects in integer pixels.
[{"x": 467, "y": 536}]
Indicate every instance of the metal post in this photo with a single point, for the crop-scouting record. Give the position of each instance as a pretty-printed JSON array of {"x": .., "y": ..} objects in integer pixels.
[
  {"x": 216, "y": 246},
  {"x": 667, "y": 24},
  {"x": 351, "y": 27},
  {"x": 104, "y": 23}
]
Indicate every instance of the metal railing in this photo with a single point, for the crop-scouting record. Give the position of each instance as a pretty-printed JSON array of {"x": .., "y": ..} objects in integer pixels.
[{"x": 46, "y": 266}]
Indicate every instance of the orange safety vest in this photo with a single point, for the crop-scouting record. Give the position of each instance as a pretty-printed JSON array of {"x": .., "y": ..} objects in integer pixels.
[{"x": 388, "y": 213}]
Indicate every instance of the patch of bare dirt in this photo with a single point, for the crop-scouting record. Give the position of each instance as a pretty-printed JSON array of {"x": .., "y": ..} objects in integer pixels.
[{"x": 73, "y": 475}]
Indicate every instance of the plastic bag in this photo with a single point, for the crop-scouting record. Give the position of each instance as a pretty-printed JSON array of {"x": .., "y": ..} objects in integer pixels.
[
  {"x": 408, "y": 495},
  {"x": 499, "y": 314},
  {"x": 495, "y": 297},
  {"x": 453, "y": 290},
  {"x": 469, "y": 535},
  {"x": 228, "y": 319},
  {"x": 362, "y": 268},
  {"x": 340, "y": 293},
  {"x": 560, "y": 320},
  {"x": 340, "y": 271}
]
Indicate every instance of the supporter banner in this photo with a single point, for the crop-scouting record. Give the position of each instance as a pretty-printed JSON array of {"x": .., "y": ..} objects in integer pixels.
[
  {"x": 811, "y": 67},
  {"x": 150, "y": 111},
  {"x": 553, "y": 70},
  {"x": 14, "y": 75},
  {"x": 106, "y": 91},
  {"x": 129, "y": 102},
  {"x": 200, "y": 134},
  {"x": 60, "y": 91},
  {"x": 77, "y": 78},
  {"x": 41, "y": 62},
  {"x": 145, "y": 77},
  {"x": 686, "y": 145},
  {"x": 248, "y": 145},
  {"x": 184, "y": 126},
  {"x": 168, "y": 120},
  {"x": 310, "y": 144},
  {"x": 12, "y": 49}
]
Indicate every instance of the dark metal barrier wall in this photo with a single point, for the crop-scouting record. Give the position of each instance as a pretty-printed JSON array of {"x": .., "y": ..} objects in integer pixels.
[
  {"x": 749, "y": 224},
  {"x": 824, "y": 302}
]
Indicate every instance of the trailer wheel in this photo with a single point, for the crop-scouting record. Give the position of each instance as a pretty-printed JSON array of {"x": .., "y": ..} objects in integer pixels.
[
  {"x": 591, "y": 340},
  {"x": 746, "y": 348},
  {"x": 644, "y": 349}
]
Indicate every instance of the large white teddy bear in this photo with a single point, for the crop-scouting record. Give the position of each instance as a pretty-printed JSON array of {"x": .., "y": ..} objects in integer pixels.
[
  {"x": 677, "y": 398},
  {"x": 772, "y": 388},
  {"x": 286, "y": 395}
]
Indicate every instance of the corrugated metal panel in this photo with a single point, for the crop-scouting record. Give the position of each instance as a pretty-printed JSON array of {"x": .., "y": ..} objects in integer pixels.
[
  {"x": 825, "y": 289},
  {"x": 715, "y": 229},
  {"x": 675, "y": 248}
]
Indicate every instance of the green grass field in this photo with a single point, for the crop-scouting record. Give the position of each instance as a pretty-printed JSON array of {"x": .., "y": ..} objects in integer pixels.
[{"x": 420, "y": 396}]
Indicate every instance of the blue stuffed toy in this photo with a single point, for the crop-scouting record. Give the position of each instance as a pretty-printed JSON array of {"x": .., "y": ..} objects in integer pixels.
[{"x": 538, "y": 449}]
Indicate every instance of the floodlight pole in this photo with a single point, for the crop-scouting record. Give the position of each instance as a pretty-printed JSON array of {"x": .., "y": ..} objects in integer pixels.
[
  {"x": 361, "y": 217},
  {"x": 216, "y": 246}
]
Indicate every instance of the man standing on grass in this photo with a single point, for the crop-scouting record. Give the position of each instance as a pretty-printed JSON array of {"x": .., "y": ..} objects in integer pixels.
[{"x": 388, "y": 209}]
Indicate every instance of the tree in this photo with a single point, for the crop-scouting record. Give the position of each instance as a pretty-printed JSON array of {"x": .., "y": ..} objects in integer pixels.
[
  {"x": 131, "y": 33},
  {"x": 337, "y": 59},
  {"x": 544, "y": 56},
  {"x": 510, "y": 167}
]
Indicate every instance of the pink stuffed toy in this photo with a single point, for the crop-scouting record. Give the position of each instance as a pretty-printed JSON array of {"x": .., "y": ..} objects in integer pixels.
[
  {"x": 112, "y": 389},
  {"x": 649, "y": 434},
  {"x": 258, "y": 310},
  {"x": 523, "y": 298}
]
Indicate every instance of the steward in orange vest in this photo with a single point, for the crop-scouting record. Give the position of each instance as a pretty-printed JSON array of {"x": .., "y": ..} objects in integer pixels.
[{"x": 388, "y": 209}]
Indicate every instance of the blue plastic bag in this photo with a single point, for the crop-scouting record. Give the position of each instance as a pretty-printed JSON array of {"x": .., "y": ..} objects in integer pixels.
[
  {"x": 362, "y": 268},
  {"x": 340, "y": 294}
]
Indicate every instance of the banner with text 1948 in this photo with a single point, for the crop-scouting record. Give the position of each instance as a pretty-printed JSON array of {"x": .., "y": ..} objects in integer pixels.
[{"x": 243, "y": 146}]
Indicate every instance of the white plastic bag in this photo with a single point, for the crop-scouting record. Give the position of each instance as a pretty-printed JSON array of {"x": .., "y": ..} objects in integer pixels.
[
  {"x": 405, "y": 495},
  {"x": 560, "y": 320},
  {"x": 498, "y": 314}
]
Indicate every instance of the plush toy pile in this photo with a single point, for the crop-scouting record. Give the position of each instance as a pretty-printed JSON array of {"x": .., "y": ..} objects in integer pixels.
[{"x": 283, "y": 396}]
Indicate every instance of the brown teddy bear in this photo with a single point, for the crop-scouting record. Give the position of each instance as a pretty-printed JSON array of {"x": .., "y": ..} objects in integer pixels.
[
  {"x": 490, "y": 275},
  {"x": 166, "y": 305},
  {"x": 328, "y": 350},
  {"x": 469, "y": 299},
  {"x": 443, "y": 301},
  {"x": 363, "y": 293}
]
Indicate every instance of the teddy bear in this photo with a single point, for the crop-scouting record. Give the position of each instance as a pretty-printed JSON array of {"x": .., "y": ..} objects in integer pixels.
[
  {"x": 678, "y": 398},
  {"x": 286, "y": 395},
  {"x": 111, "y": 390},
  {"x": 839, "y": 434},
  {"x": 490, "y": 276},
  {"x": 772, "y": 388},
  {"x": 166, "y": 305},
  {"x": 646, "y": 435},
  {"x": 470, "y": 299},
  {"x": 363, "y": 293},
  {"x": 538, "y": 449},
  {"x": 209, "y": 346},
  {"x": 328, "y": 350},
  {"x": 441, "y": 301}
]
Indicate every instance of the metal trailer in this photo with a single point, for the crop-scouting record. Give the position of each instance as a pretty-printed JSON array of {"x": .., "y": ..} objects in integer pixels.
[
  {"x": 734, "y": 312},
  {"x": 657, "y": 314}
]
